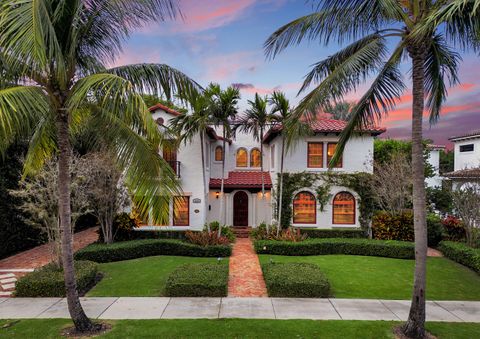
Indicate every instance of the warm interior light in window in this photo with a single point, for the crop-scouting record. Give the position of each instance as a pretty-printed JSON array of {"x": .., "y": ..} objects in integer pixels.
[{"x": 217, "y": 194}]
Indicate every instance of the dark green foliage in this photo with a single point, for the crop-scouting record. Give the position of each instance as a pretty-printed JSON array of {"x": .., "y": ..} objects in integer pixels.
[
  {"x": 446, "y": 161},
  {"x": 462, "y": 254},
  {"x": 198, "y": 280},
  {"x": 127, "y": 250},
  {"x": 295, "y": 280},
  {"x": 48, "y": 280},
  {"x": 435, "y": 229},
  {"x": 334, "y": 233},
  {"x": 15, "y": 234},
  {"x": 85, "y": 221},
  {"x": 440, "y": 199},
  {"x": 376, "y": 248},
  {"x": 152, "y": 100}
]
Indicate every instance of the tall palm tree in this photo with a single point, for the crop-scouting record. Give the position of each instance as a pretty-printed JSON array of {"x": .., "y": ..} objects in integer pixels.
[
  {"x": 52, "y": 60},
  {"x": 425, "y": 31},
  {"x": 224, "y": 109},
  {"x": 339, "y": 110}
]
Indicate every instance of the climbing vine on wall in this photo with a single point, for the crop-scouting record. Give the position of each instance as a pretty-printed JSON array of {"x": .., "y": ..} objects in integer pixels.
[{"x": 321, "y": 183}]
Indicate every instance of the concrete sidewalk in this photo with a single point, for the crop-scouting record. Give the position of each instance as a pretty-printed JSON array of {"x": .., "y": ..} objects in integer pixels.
[{"x": 249, "y": 308}]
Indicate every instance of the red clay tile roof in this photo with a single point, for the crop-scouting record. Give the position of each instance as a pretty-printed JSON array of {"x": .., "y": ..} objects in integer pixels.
[
  {"x": 471, "y": 134},
  {"x": 213, "y": 135},
  {"x": 470, "y": 173},
  {"x": 243, "y": 179},
  {"x": 435, "y": 147},
  {"x": 325, "y": 125},
  {"x": 164, "y": 108}
]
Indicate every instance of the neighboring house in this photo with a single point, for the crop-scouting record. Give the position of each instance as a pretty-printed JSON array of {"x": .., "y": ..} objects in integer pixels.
[
  {"x": 244, "y": 204},
  {"x": 434, "y": 161},
  {"x": 466, "y": 159}
]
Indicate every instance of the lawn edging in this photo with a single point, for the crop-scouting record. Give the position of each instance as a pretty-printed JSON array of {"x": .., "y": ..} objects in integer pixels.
[
  {"x": 198, "y": 280},
  {"x": 367, "y": 247},
  {"x": 461, "y": 253},
  {"x": 133, "y": 249}
]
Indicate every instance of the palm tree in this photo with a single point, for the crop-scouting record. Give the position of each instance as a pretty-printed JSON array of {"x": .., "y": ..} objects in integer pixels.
[
  {"x": 425, "y": 31},
  {"x": 52, "y": 60},
  {"x": 224, "y": 109},
  {"x": 339, "y": 110}
]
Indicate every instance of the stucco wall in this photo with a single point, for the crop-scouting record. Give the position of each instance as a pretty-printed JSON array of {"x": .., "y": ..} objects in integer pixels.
[
  {"x": 434, "y": 160},
  {"x": 465, "y": 160}
]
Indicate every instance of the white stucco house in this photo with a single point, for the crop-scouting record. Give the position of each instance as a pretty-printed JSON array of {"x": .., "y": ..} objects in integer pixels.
[
  {"x": 244, "y": 204},
  {"x": 434, "y": 161},
  {"x": 466, "y": 158}
]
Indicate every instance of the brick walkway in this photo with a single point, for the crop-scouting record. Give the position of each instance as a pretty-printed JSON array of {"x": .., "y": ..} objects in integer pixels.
[
  {"x": 245, "y": 277},
  {"x": 14, "y": 267}
]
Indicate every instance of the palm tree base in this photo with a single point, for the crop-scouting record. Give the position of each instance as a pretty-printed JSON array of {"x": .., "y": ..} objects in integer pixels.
[
  {"x": 87, "y": 330},
  {"x": 412, "y": 330}
]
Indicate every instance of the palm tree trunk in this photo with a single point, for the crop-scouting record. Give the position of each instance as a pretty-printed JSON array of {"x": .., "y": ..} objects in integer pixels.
[
  {"x": 261, "y": 169},
  {"x": 202, "y": 151},
  {"x": 79, "y": 318},
  {"x": 415, "y": 326},
  {"x": 222, "y": 187},
  {"x": 280, "y": 198}
]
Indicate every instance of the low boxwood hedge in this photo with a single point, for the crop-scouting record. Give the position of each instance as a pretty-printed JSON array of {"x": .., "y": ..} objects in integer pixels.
[
  {"x": 368, "y": 247},
  {"x": 198, "y": 280},
  {"x": 295, "y": 280},
  {"x": 48, "y": 281},
  {"x": 132, "y": 249},
  {"x": 462, "y": 254},
  {"x": 333, "y": 233}
]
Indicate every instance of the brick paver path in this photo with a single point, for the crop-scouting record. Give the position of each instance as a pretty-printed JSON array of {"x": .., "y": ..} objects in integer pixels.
[
  {"x": 245, "y": 277},
  {"x": 431, "y": 252},
  {"x": 14, "y": 267}
]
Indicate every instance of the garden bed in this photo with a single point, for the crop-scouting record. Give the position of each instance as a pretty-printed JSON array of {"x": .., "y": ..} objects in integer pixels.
[
  {"x": 367, "y": 247},
  {"x": 48, "y": 281},
  {"x": 462, "y": 254},
  {"x": 198, "y": 280},
  {"x": 133, "y": 249},
  {"x": 295, "y": 280},
  {"x": 333, "y": 233}
]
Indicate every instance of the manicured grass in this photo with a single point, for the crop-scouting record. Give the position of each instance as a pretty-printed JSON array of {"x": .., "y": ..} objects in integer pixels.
[
  {"x": 144, "y": 277},
  {"x": 374, "y": 277},
  {"x": 236, "y": 328}
]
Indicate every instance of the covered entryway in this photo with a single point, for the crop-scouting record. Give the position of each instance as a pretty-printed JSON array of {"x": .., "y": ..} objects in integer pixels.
[{"x": 240, "y": 209}]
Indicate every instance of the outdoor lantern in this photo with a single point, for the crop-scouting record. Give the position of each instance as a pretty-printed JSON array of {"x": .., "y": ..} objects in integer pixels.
[{"x": 217, "y": 194}]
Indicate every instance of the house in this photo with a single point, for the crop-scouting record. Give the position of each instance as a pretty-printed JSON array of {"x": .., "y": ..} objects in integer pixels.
[
  {"x": 434, "y": 161},
  {"x": 466, "y": 159},
  {"x": 244, "y": 203}
]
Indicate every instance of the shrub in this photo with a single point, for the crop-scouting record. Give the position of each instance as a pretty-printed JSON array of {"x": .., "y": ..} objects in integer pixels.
[
  {"x": 462, "y": 254},
  {"x": 434, "y": 229},
  {"x": 454, "y": 228},
  {"x": 205, "y": 238},
  {"x": 290, "y": 234},
  {"x": 387, "y": 226},
  {"x": 198, "y": 280},
  {"x": 295, "y": 280},
  {"x": 226, "y": 230},
  {"x": 261, "y": 233},
  {"x": 368, "y": 247},
  {"x": 333, "y": 233},
  {"x": 127, "y": 250},
  {"x": 48, "y": 281}
]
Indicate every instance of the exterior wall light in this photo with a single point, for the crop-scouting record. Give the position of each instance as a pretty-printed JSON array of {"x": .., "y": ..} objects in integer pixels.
[{"x": 217, "y": 194}]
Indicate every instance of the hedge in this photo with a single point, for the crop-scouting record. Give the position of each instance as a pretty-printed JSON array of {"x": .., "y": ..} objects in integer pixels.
[
  {"x": 462, "y": 254},
  {"x": 378, "y": 248},
  {"x": 333, "y": 233},
  {"x": 48, "y": 281},
  {"x": 127, "y": 250},
  {"x": 295, "y": 280},
  {"x": 198, "y": 280}
]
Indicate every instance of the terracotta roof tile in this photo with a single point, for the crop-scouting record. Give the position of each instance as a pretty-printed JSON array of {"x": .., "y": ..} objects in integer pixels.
[
  {"x": 243, "y": 179},
  {"x": 474, "y": 133},
  {"x": 470, "y": 173},
  {"x": 164, "y": 108}
]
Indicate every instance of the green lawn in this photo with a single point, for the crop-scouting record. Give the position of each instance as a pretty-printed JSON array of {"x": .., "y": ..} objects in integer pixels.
[
  {"x": 376, "y": 277},
  {"x": 235, "y": 328},
  {"x": 144, "y": 277}
]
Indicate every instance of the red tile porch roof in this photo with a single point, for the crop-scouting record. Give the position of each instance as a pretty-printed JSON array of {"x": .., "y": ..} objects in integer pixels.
[
  {"x": 164, "y": 108},
  {"x": 243, "y": 179},
  {"x": 469, "y": 173}
]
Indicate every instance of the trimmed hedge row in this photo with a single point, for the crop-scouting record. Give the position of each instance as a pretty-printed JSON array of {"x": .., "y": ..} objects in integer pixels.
[
  {"x": 377, "y": 248},
  {"x": 333, "y": 233},
  {"x": 127, "y": 250},
  {"x": 198, "y": 280},
  {"x": 462, "y": 254},
  {"x": 295, "y": 280},
  {"x": 48, "y": 281}
]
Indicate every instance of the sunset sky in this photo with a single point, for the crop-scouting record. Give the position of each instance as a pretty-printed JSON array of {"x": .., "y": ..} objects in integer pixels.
[{"x": 221, "y": 41}]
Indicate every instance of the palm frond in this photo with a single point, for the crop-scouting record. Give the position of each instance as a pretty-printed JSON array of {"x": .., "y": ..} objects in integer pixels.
[{"x": 42, "y": 146}]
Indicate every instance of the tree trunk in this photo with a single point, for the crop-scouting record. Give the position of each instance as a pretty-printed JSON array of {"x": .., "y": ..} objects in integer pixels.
[
  {"x": 280, "y": 198},
  {"x": 222, "y": 187},
  {"x": 263, "y": 179},
  {"x": 81, "y": 321},
  {"x": 415, "y": 326}
]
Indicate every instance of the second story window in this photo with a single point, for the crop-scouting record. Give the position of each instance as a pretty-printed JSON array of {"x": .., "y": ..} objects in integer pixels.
[
  {"x": 255, "y": 158},
  {"x": 331, "y": 147},
  {"x": 467, "y": 148},
  {"x": 242, "y": 158},
  {"x": 218, "y": 153},
  {"x": 170, "y": 156},
  {"x": 315, "y": 155}
]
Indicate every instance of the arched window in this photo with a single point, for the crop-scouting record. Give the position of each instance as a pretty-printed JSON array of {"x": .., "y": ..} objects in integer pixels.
[
  {"x": 242, "y": 157},
  {"x": 304, "y": 208},
  {"x": 344, "y": 208},
  {"x": 218, "y": 153},
  {"x": 255, "y": 158}
]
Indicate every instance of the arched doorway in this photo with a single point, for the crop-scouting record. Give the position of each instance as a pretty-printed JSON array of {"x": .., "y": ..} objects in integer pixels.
[{"x": 240, "y": 209}]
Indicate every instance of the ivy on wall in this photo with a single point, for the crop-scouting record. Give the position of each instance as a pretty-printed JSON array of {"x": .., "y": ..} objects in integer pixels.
[{"x": 361, "y": 183}]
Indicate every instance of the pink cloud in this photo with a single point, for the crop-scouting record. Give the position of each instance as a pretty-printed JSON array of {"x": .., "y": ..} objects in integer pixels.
[{"x": 222, "y": 68}]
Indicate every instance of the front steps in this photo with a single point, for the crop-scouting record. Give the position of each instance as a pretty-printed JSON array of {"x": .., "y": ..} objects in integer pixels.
[
  {"x": 8, "y": 280},
  {"x": 241, "y": 231}
]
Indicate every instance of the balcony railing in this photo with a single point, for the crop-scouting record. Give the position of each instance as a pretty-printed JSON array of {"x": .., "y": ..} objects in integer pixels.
[{"x": 175, "y": 165}]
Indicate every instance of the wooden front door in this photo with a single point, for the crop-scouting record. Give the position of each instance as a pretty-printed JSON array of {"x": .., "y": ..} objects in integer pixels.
[{"x": 240, "y": 209}]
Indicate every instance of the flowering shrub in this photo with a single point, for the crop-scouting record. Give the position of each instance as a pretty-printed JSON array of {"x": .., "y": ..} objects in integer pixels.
[
  {"x": 290, "y": 234},
  {"x": 226, "y": 230},
  {"x": 206, "y": 238},
  {"x": 386, "y": 226},
  {"x": 454, "y": 228}
]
